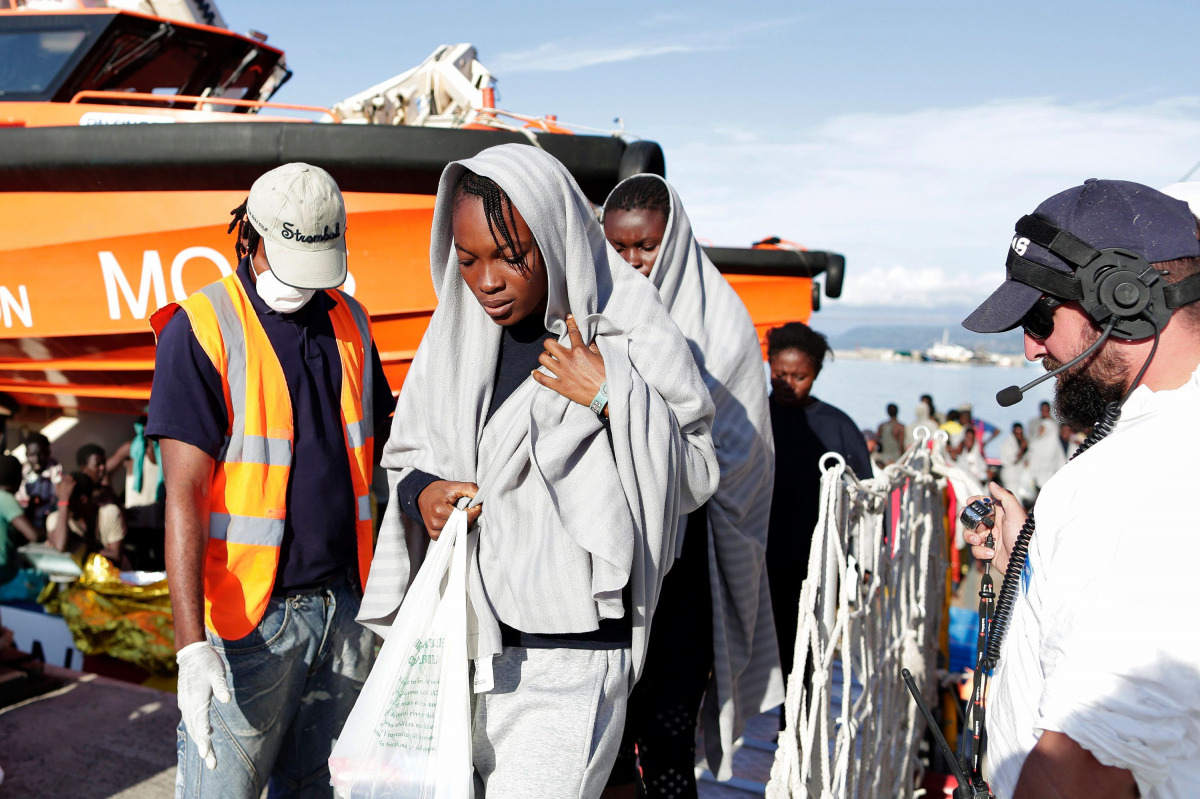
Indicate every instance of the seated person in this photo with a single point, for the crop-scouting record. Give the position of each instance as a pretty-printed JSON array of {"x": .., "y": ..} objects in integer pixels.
[
  {"x": 90, "y": 524},
  {"x": 15, "y": 528},
  {"x": 91, "y": 460},
  {"x": 40, "y": 475}
]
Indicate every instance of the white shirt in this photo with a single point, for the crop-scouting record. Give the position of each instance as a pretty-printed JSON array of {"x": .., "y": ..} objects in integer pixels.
[
  {"x": 1014, "y": 469},
  {"x": 1045, "y": 453},
  {"x": 1033, "y": 428},
  {"x": 149, "y": 493},
  {"x": 973, "y": 462},
  {"x": 1103, "y": 645}
]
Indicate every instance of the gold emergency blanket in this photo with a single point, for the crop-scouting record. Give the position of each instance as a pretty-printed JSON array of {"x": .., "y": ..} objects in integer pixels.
[{"x": 106, "y": 616}]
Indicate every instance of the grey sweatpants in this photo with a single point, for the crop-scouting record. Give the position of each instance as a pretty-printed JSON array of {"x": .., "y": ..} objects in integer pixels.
[{"x": 551, "y": 726}]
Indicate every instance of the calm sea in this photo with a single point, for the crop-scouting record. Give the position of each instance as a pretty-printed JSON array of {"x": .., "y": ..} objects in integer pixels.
[{"x": 864, "y": 388}]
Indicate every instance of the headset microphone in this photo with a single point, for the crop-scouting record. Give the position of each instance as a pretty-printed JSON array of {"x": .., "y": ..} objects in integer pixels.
[{"x": 1012, "y": 395}]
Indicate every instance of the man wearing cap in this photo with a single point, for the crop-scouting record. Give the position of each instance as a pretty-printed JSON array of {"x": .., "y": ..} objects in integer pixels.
[
  {"x": 1097, "y": 687},
  {"x": 266, "y": 398}
]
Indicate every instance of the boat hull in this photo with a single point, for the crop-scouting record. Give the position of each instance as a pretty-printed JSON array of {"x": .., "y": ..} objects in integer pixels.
[
  {"x": 84, "y": 268},
  {"x": 83, "y": 271}
]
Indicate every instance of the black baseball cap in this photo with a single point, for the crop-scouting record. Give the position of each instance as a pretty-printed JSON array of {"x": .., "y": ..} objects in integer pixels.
[{"x": 1103, "y": 214}]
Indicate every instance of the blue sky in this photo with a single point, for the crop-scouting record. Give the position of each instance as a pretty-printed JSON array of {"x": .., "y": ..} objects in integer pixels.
[{"x": 908, "y": 136}]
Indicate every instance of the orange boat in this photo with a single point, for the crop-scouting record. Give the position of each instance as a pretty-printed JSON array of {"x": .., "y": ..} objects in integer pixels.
[{"x": 112, "y": 207}]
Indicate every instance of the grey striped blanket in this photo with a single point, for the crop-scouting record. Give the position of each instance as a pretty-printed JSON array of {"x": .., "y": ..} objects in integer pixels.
[
  {"x": 568, "y": 518},
  {"x": 746, "y": 678}
]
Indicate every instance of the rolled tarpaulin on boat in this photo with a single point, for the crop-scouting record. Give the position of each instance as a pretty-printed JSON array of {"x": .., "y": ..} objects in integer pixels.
[{"x": 231, "y": 155}]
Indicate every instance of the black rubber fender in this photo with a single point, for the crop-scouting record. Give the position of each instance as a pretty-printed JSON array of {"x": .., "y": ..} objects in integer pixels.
[
  {"x": 231, "y": 155},
  {"x": 835, "y": 273},
  {"x": 642, "y": 157}
]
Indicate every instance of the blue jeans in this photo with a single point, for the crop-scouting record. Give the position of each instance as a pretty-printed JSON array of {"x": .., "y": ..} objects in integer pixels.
[{"x": 294, "y": 680}]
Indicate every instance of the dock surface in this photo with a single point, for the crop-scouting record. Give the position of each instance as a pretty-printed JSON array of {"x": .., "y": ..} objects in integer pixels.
[
  {"x": 751, "y": 763},
  {"x": 94, "y": 738},
  {"x": 97, "y": 738}
]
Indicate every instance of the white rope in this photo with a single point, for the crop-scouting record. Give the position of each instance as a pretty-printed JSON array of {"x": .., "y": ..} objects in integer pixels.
[{"x": 871, "y": 604}]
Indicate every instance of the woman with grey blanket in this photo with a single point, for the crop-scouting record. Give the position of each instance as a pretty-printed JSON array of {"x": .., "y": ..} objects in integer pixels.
[
  {"x": 714, "y": 638},
  {"x": 553, "y": 390}
]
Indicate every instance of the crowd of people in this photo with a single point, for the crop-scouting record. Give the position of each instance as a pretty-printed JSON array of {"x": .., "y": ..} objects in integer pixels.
[
  {"x": 1027, "y": 458},
  {"x": 590, "y": 391},
  {"x": 78, "y": 511}
]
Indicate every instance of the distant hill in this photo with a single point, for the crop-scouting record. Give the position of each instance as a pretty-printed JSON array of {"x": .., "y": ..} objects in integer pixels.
[{"x": 919, "y": 337}]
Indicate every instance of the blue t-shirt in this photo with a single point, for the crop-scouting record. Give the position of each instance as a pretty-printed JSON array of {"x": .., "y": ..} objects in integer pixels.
[
  {"x": 187, "y": 403},
  {"x": 39, "y": 491}
]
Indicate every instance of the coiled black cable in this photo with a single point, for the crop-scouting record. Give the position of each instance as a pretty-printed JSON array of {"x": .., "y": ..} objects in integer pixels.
[
  {"x": 1008, "y": 592},
  {"x": 1016, "y": 559}
]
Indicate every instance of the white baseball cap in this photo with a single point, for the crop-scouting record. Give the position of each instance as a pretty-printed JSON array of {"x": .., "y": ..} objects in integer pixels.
[{"x": 299, "y": 212}]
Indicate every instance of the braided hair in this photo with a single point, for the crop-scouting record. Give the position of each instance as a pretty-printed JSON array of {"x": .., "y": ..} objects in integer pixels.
[
  {"x": 248, "y": 236},
  {"x": 800, "y": 337},
  {"x": 498, "y": 209},
  {"x": 640, "y": 192}
]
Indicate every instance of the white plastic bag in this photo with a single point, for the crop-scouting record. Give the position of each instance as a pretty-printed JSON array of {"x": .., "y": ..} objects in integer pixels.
[{"x": 409, "y": 734}]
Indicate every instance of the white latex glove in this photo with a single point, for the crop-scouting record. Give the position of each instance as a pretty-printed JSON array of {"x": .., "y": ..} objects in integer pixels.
[{"x": 201, "y": 677}]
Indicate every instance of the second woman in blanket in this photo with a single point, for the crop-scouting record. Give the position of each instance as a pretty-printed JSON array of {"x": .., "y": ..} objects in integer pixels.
[
  {"x": 552, "y": 388},
  {"x": 713, "y": 636}
]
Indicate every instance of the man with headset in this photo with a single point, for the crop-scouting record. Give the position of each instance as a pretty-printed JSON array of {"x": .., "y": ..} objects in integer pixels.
[{"x": 1097, "y": 688}]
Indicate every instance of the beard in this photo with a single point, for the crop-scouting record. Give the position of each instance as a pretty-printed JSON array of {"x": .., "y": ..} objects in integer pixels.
[{"x": 1082, "y": 393}]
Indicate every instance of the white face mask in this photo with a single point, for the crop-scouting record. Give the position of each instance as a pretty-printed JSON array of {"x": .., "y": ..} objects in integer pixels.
[{"x": 279, "y": 296}]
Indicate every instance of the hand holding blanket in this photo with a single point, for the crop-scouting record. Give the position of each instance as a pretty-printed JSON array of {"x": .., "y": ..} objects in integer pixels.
[{"x": 576, "y": 372}]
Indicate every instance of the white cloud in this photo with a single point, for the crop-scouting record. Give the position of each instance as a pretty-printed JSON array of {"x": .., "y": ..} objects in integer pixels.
[
  {"x": 554, "y": 57},
  {"x": 568, "y": 55},
  {"x": 922, "y": 203},
  {"x": 921, "y": 287}
]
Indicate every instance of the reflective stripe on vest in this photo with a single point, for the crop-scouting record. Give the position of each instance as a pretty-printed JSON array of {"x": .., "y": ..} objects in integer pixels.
[
  {"x": 260, "y": 524},
  {"x": 363, "y": 324},
  {"x": 352, "y": 327},
  {"x": 257, "y": 449},
  {"x": 357, "y": 433},
  {"x": 250, "y": 529},
  {"x": 249, "y": 490}
]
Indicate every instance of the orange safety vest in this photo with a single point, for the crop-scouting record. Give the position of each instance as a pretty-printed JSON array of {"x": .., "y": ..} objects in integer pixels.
[{"x": 249, "y": 488}]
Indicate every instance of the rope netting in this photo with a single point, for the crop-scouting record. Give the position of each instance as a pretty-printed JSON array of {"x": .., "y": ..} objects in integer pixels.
[{"x": 871, "y": 605}]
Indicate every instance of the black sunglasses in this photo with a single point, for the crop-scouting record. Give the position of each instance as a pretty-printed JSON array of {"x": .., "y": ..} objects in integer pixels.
[{"x": 1038, "y": 321}]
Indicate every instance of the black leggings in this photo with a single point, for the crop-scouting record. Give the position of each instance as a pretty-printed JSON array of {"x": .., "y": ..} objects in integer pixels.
[
  {"x": 787, "y": 581},
  {"x": 665, "y": 703}
]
